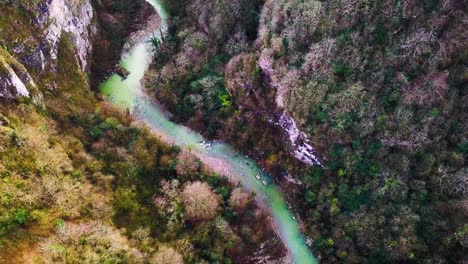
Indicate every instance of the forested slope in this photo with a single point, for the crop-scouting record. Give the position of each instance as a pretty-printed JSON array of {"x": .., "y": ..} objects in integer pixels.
[
  {"x": 83, "y": 182},
  {"x": 379, "y": 87}
]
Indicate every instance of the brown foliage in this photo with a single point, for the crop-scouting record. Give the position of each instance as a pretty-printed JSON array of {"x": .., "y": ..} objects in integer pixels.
[
  {"x": 168, "y": 255},
  {"x": 239, "y": 200},
  {"x": 201, "y": 203},
  {"x": 188, "y": 164}
]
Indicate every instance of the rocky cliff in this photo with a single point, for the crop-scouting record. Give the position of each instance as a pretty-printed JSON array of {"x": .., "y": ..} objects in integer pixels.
[
  {"x": 30, "y": 33},
  {"x": 72, "y": 17}
]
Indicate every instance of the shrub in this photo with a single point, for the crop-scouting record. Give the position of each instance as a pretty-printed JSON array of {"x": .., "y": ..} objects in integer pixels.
[
  {"x": 454, "y": 182},
  {"x": 430, "y": 5},
  {"x": 303, "y": 99},
  {"x": 340, "y": 69},
  {"x": 239, "y": 200},
  {"x": 91, "y": 242},
  {"x": 310, "y": 197},
  {"x": 110, "y": 123},
  {"x": 313, "y": 176},
  {"x": 462, "y": 148},
  {"x": 201, "y": 203},
  {"x": 168, "y": 255},
  {"x": 169, "y": 207},
  {"x": 11, "y": 219},
  {"x": 381, "y": 35},
  {"x": 187, "y": 164}
]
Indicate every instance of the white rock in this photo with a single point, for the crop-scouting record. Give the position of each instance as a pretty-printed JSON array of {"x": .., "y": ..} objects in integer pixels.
[
  {"x": 302, "y": 150},
  {"x": 12, "y": 85},
  {"x": 73, "y": 17},
  {"x": 21, "y": 89}
]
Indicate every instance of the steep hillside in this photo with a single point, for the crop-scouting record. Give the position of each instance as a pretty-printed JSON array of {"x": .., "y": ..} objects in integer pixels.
[
  {"x": 116, "y": 20},
  {"x": 377, "y": 87},
  {"x": 82, "y": 182}
]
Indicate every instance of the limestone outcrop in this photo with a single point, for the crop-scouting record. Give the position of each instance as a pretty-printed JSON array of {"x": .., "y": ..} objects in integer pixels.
[{"x": 30, "y": 45}]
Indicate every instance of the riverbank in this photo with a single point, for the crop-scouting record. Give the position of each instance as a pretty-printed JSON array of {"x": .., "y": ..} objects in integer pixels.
[
  {"x": 377, "y": 88},
  {"x": 128, "y": 93}
]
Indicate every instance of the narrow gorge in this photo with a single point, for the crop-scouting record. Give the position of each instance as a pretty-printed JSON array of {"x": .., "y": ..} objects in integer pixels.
[{"x": 233, "y": 131}]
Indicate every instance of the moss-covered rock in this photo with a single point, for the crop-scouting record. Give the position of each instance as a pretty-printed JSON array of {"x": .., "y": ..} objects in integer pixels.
[{"x": 15, "y": 80}]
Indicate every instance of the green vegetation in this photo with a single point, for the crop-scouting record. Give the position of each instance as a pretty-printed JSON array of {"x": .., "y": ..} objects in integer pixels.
[
  {"x": 100, "y": 175},
  {"x": 81, "y": 182},
  {"x": 379, "y": 88}
]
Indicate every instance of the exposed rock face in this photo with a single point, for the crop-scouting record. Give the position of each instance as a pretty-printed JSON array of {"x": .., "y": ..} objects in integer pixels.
[
  {"x": 116, "y": 27},
  {"x": 35, "y": 59},
  {"x": 48, "y": 21},
  {"x": 152, "y": 25},
  {"x": 15, "y": 80},
  {"x": 11, "y": 85},
  {"x": 301, "y": 145},
  {"x": 70, "y": 16}
]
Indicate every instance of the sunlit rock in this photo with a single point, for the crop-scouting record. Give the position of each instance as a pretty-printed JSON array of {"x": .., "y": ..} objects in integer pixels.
[{"x": 72, "y": 17}]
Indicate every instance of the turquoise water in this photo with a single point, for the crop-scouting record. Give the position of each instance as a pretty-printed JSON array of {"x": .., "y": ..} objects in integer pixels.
[{"x": 128, "y": 94}]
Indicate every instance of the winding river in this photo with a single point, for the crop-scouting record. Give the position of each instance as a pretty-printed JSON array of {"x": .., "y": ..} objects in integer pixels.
[{"x": 128, "y": 93}]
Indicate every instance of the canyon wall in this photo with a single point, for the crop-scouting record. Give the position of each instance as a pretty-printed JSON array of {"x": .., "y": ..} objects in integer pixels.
[{"x": 30, "y": 34}]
